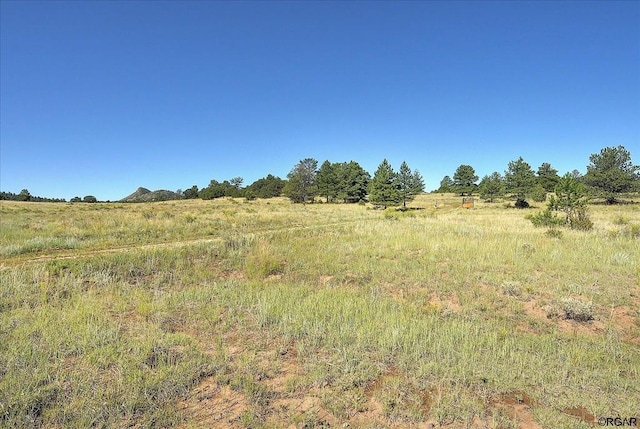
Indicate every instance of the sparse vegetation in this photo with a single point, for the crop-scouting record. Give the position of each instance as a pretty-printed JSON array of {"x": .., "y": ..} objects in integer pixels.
[
  {"x": 317, "y": 315},
  {"x": 575, "y": 309}
]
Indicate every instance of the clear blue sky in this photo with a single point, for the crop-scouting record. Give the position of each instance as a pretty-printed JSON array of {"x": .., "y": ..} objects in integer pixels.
[{"x": 98, "y": 98}]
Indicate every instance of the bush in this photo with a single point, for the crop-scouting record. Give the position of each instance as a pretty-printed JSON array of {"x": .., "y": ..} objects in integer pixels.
[
  {"x": 521, "y": 204},
  {"x": 579, "y": 219},
  {"x": 577, "y": 310},
  {"x": 554, "y": 233},
  {"x": 512, "y": 289},
  {"x": 546, "y": 218}
]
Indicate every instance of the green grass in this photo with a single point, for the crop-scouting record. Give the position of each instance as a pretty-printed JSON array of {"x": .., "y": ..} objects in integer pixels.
[{"x": 377, "y": 317}]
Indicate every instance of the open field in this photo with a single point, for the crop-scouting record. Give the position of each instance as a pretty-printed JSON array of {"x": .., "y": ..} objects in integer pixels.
[{"x": 259, "y": 314}]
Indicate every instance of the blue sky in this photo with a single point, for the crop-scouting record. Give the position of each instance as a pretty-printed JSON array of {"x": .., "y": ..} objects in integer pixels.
[{"x": 98, "y": 98}]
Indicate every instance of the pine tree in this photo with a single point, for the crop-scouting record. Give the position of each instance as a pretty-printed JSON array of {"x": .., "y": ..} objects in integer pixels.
[
  {"x": 611, "y": 173},
  {"x": 547, "y": 177},
  {"x": 520, "y": 180},
  {"x": 491, "y": 186},
  {"x": 464, "y": 179},
  {"x": 302, "y": 181},
  {"x": 410, "y": 183},
  {"x": 446, "y": 185},
  {"x": 383, "y": 188},
  {"x": 327, "y": 180},
  {"x": 354, "y": 181}
]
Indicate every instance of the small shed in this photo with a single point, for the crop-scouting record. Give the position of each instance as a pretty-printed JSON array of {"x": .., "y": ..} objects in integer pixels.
[{"x": 467, "y": 202}]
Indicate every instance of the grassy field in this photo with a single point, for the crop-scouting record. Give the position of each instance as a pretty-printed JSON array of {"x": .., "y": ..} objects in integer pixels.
[{"x": 265, "y": 314}]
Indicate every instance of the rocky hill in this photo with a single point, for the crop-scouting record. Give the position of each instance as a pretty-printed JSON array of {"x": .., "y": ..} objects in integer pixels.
[{"x": 143, "y": 195}]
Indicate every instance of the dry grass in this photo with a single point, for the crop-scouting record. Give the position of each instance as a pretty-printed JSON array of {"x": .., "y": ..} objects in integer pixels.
[{"x": 266, "y": 314}]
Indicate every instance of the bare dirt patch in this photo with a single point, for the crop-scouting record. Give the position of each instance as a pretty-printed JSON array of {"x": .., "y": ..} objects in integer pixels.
[
  {"x": 590, "y": 328},
  {"x": 210, "y": 405},
  {"x": 517, "y": 406},
  {"x": 448, "y": 304},
  {"x": 622, "y": 317},
  {"x": 581, "y": 413}
]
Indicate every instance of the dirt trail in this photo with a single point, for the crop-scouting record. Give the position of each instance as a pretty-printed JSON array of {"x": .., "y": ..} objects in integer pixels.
[{"x": 78, "y": 254}]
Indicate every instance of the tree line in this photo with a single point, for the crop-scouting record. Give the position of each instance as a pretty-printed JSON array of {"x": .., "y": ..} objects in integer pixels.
[
  {"x": 25, "y": 195},
  {"x": 610, "y": 174}
]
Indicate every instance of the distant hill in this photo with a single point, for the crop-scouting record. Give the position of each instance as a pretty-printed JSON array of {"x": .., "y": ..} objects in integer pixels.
[{"x": 143, "y": 195}]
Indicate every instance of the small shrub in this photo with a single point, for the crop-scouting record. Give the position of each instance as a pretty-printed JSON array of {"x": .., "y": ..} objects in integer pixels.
[
  {"x": 579, "y": 219},
  {"x": 577, "y": 310},
  {"x": 512, "y": 289},
  {"x": 552, "y": 311},
  {"x": 521, "y": 204},
  {"x": 189, "y": 218},
  {"x": 545, "y": 218},
  {"x": 554, "y": 233}
]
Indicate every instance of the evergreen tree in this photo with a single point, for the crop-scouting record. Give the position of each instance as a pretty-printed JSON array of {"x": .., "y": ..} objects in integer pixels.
[
  {"x": 236, "y": 182},
  {"x": 577, "y": 175},
  {"x": 520, "y": 180},
  {"x": 446, "y": 185},
  {"x": 383, "y": 188},
  {"x": 491, "y": 186},
  {"x": 214, "y": 190},
  {"x": 191, "y": 193},
  {"x": 571, "y": 198},
  {"x": 353, "y": 182},
  {"x": 547, "y": 177},
  {"x": 611, "y": 173},
  {"x": 328, "y": 181},
  {"x": 302, "y": 181},
  {"x": 24, "y": 195},
  {"x": 410, "y": 183},
  {"x": 267, "y": 187},
  {"x": 464, "y": 179}
]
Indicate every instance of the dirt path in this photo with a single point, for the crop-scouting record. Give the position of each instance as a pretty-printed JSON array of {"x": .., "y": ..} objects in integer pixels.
[{"x": 60, "y": 255}]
